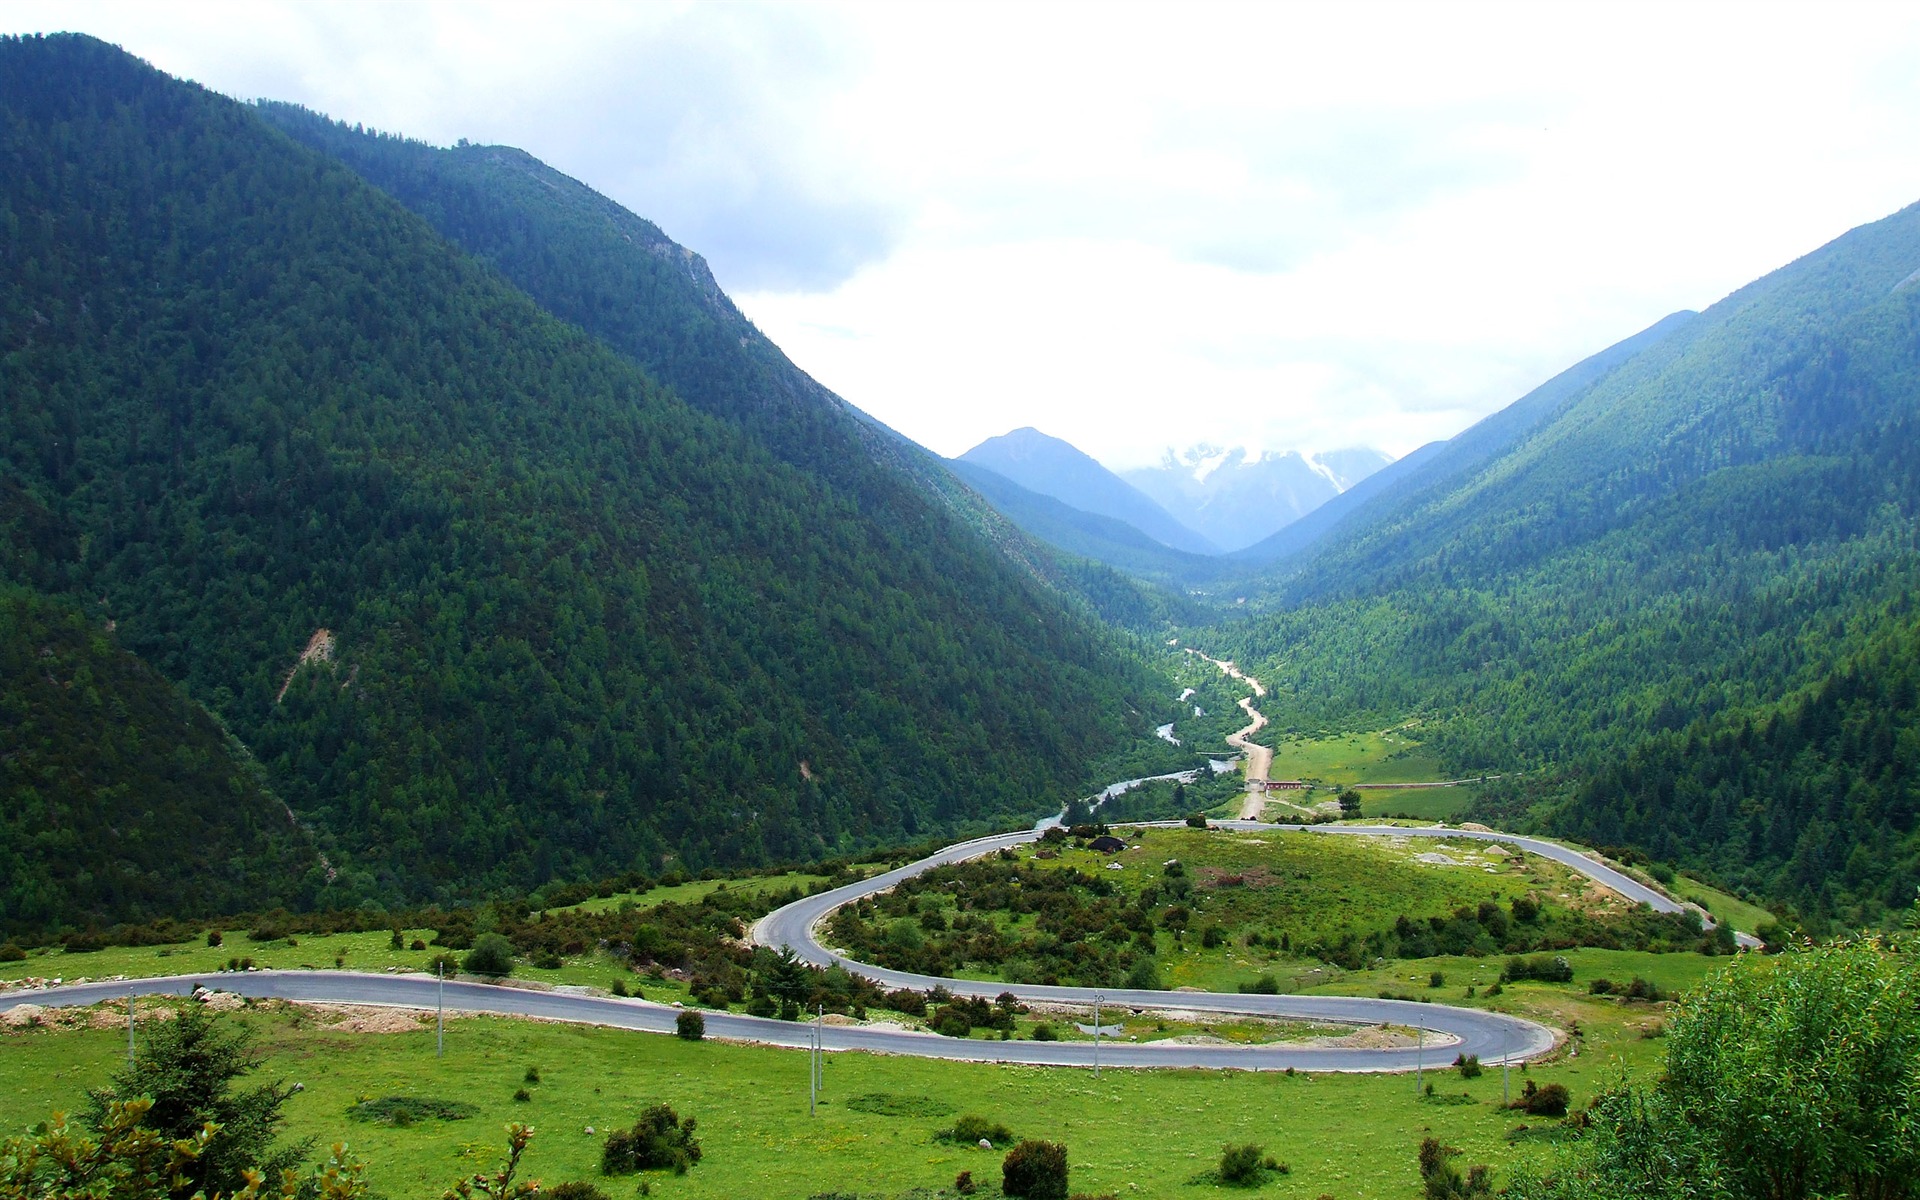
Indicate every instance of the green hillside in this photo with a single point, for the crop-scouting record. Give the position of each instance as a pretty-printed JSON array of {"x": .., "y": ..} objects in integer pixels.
[
  {"x": 574, "y": 625},
  {"x": 617, "y": 276},
  {"x": 1699, "y": 536},
  {"x": 124, "y": 799}
]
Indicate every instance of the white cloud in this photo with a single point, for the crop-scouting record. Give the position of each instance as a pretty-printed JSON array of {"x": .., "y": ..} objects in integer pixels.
[{"x": 1274, "y": 225}]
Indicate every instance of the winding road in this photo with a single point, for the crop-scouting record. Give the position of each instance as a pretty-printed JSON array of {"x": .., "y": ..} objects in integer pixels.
[{"x": 1493, "y": 1036}]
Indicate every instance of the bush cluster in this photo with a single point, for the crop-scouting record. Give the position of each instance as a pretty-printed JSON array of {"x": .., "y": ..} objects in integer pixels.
[
  {"x": 1035, "y": 1170},
  {"x": 659, "y": 1140}
]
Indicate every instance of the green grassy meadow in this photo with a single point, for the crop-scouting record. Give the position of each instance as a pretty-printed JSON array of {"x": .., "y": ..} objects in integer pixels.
[
  {"x": 1129, "y": 1133},
  {"x": 1427, "y": 804},
  {"x": 374, "y": 952},
  {"x": 1387, "y": 756},
  {"x": 1311, "y": 886},
  {"x": 1741, "y": 914}
]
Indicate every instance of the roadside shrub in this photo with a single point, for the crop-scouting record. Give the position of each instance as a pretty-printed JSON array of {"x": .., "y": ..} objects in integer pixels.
[
  {"x": 1640, "y": 989},
  {"x": 1266, "y": 985},
  {"x": 1043, "y": 1032},
  {"x": 12, "y": 953},
  {"x": 1545, "y": 968},
  {"x": 573, "y": 1189},
  {"x": 1469, "y": 1065},
  {"x": 522, "y": 1095},
  {"x": 1436, "y": 980},
  {"x": 1441, "y": 1180},
  {"x": 690, "y": 1025},
  {"x": 1241, "y": 1166},
  {"x": 1548, "y": 1101},
  {"x": 619, "y": 987},
  {"x": 908, "y": 1001},
  {"x": 417, "y": 944},
  {"x": 532, "y": 1075},
  {"x": 1212, "y": 938},
  {"x": 1036, "y": 1170},
  {"x": 963, "y": 1184},
  {"x": 1600, "y": 987},
  {"x": 971, "y": 1129},
  {"x": 659, "y": 1140},
  {"x": 215, "y": 937},
  {"x": 951, "y": 1022},
  {"x": 491, "y": 955},
  {"x": 1195, "y": 821}
]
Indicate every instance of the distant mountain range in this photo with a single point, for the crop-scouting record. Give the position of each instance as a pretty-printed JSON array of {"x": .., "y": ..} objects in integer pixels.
[
  {"x": 1202, "y": 503},
  {"x": 1236, "y": 499},
  {"x": 1058, "y": 469}
]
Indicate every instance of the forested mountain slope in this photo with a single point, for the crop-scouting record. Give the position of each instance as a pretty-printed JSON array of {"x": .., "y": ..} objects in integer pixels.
[
  {"x": 123, "y": 798},
  {"x": 593, "y": 264},
  {"x": 575, "y": 624},
  {"x": 1709, "y": 537},
  {"x": 1383, "y": 498},
  {"x": 1087, "y": 534}
]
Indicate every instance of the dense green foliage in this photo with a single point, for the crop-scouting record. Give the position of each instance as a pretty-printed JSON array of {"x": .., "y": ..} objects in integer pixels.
[
  {"x": 660, "y": 1140},
  {"x": 125, "y": 1158},
  {"x": 1787, "y": 1077},
  {"x": 1036, "y": 1170},
  {"x": 1815, "y": 798},
  {"x": 123, "y": 799},
  {"x": 1297, "y": 895},
  {"x": 593, "y": 264},
  {"x": 187, "y": 1069},
  {"x": 558, "y": 622},
  {"x": 1714, "y": 534}
]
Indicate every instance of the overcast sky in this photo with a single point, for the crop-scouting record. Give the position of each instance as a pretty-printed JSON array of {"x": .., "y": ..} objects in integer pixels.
[{"x": 1278, "y": 226}]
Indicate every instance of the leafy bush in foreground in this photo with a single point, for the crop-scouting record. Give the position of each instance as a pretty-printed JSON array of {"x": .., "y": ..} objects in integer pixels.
[{"x": 1791, "y": 1075}]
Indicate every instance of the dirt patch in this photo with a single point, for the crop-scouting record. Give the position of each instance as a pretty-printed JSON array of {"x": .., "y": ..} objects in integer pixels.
[
  {"x": 1379, "y": 1037},
  {"x": 367, "y": 1018},
  {"x": 319, "y": 650}
]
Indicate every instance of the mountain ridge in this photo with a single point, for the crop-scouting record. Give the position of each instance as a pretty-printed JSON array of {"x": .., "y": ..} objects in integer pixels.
[
  {"x": 1238, "y": 500},
  {"x": 580, "y": 624},
  {"x": 1056, "y": 468}
]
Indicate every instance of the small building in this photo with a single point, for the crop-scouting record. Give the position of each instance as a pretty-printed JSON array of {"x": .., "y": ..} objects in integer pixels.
[{"x": 1106, "y": 843}]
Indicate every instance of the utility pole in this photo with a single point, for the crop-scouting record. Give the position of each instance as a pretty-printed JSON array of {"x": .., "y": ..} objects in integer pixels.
[
  {"x": 440, "y": 996},
  {"x": 1097, "y": 998},
  {"x": 813, "y": 1071}
]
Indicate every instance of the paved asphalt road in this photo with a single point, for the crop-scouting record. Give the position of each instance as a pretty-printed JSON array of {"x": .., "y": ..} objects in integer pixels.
[
  {"x": 1484, "y": 1033},
  {"x": 1457, "y": 1030},
  {"x": 1490, "y": 1035}
]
